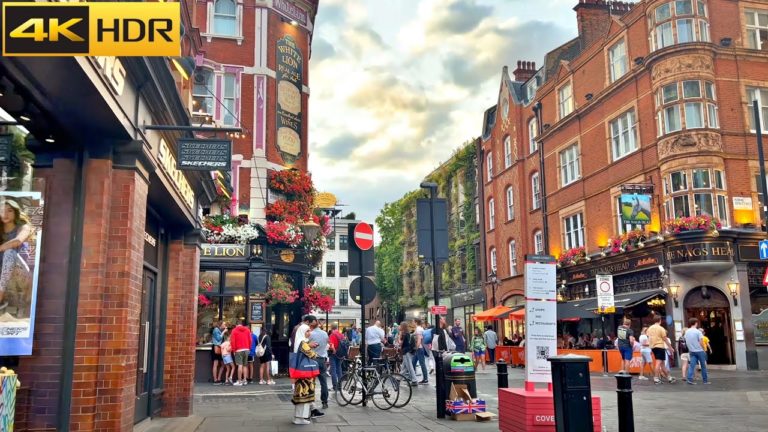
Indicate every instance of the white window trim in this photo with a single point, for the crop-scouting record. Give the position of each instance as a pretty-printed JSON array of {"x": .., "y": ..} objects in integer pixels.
[
  {"x": 211, "y": 93},
  {"x": 565, "y": 164},
  {"x": 510, "y": 203},
  {"x": 756, "y": 26},
  {"x": 512, "y": 258},
  {"x": 633, "y": 135},
  {"x": 533, "y": 132},
  {"x": 209, "y": 33},
  {"x": 576, "y": 237},
  {"x": 493, "y": 259},
  {"x": 535, "y": 190},
  {"x": 571, "y": 106},
  {"x": 491, "y": 214},
  {"x": 222, "y": 97},
  {"x": 489, "y": 165},
  {"x": 507, "y": 152},
  {"x": 538, "y": 242},
  {"x": 761, "y": 105},
  {"x": 613, "y": 61}
]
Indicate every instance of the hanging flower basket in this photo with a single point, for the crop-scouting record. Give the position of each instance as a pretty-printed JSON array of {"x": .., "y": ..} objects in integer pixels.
[
  {"x": 320, "y": 298},
  {"x": 693, "y": 223},
  {"x": 573, "y": 256},
  {"x": 283, "y": 232},
  {"x": 281, "y": 292},
  {"x": 294, "y": 184},
  {"x": 626, "y": 242},
  {"x": 229, "y": 229}
]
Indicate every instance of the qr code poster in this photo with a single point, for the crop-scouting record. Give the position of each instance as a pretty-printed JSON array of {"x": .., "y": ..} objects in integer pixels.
[{"x": 541, "y": 339}]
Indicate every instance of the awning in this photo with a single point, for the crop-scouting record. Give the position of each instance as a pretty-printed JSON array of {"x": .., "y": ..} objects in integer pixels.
[
  {"x": 627, "y": 300},
  {"x": 517, "y": 313},
  {"x": 576, "y": 310},
  {"x": 492, "y": 314}
]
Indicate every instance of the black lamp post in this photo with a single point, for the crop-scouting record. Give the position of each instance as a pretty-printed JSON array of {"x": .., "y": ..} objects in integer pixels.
[{"x": 492, "y": 279}]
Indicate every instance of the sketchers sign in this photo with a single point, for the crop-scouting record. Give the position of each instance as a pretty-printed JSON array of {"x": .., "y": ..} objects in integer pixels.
[{"x": 204, "y": 154}]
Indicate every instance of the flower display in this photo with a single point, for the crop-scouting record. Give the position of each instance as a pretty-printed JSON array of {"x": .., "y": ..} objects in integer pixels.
[
  {"x": 293, "y": 183},
  {"x": 281, "y": 292},
  {"x": 572, "y": 256},
  {"x": 283, "y": 232},
  {"x": 320, "y": 298},
  {"x": 625, "y": 242},
  {"x": 692, "y": 223},
  {"x": 229, "y": 229}
]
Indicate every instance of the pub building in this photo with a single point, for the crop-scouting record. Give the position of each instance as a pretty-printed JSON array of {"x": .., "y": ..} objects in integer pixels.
[
  {"x": 713, "y": 276},
  {"x": 240, "y": 276}
]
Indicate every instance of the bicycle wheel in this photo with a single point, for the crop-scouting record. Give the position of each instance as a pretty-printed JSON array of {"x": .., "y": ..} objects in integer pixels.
[
  {"x": 404, "y": 387},
  {"x": 385, "y": 393},
  {"x": 350, "y": 390}
]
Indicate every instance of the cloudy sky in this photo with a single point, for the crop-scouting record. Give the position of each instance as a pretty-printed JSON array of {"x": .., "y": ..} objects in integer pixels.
[{"x": 397, "y": 85}]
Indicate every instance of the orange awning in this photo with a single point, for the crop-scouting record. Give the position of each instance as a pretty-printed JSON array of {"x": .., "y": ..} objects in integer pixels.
[{"x": 492, "y": 314}]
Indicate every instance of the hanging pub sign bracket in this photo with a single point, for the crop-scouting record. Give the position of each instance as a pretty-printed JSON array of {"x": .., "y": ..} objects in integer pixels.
[{"x": 630, "y": 188}]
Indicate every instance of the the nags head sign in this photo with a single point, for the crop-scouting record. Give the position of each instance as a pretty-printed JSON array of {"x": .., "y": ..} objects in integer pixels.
[{"x": 126, "y": 29}]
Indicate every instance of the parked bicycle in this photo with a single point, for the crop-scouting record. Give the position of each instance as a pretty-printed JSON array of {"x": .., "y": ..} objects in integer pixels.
[{"x": 377, "y": 382}]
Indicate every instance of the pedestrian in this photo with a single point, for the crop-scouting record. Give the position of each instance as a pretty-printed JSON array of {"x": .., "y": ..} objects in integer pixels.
[
  {"x": 626, "y": 339},
  {"x": 429, "y": 333},
  {"x": 657, "y": 336},
  {"x": 693, "y": 340},
  {"x": 478, "y": 348},
  {"x": 421, "y": 351},
  {"x": 705, "y": 343},
  {"x": 457, "y": 333},
  {"x": 226, "y": 355},
  {"x": 217, "y": 338},
  {"x": 359, "y": 336},
  {"x": 241, "y": 346},
  {"x": 265, "y": 341},
  {"x": 442, "y": 338},
  {"x": 340, "y": 348},
  {"x": 320, "y": 337},
  {"x": 304, "y": 389},
  {"x": 645, "y": 354},
  {"x": 685, "y": 357},
  {"x": 491, "y": 340},
  {"x": 252, "y": 357},
  {"x": 374, "y": 341},
  {"x": 407, "y": 350}
]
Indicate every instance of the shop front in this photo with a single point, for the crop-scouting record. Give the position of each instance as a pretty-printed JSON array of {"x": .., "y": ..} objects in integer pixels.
[
  {"x": 465, "y": 306},
  {"x": 119, "y": 245}
]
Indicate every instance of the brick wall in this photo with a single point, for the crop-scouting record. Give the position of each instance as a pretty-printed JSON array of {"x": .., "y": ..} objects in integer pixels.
[{"x": 179, "y": 373}]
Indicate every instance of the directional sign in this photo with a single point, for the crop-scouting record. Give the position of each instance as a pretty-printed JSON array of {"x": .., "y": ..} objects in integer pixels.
[
  {"x": 363, "y": 236},
  {"x": 764, "y": 249},
  {"x": 368, "y": 290},
  {"x": 439, "y": 310}
]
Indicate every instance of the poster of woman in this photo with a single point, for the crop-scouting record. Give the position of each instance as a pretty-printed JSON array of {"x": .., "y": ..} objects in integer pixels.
[{"x": 21, "y": 215}]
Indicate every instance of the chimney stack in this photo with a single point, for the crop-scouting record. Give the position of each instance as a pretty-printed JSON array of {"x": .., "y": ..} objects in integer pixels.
[
  {"x": 525, "y": 70},
  {"x": 594, "y": 18}
]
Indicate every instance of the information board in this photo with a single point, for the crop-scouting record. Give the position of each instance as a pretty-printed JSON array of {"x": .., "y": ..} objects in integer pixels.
[
  {"x": 540, "y": 319},
  {"x": 605, "y": 303}
]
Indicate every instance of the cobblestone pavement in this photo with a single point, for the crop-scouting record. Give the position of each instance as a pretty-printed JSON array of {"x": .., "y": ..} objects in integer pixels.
[{"x": 736, "y": 402}]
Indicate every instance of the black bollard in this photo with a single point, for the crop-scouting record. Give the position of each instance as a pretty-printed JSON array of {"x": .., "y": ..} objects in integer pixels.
[
  {"x": 439, "y": 384},
  {"x": 502, "y": 377},
  {"x": 624, "y": 395}
]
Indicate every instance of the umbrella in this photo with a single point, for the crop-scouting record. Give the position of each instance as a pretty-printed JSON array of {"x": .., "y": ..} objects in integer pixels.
[{"x": 492, "y": 314}]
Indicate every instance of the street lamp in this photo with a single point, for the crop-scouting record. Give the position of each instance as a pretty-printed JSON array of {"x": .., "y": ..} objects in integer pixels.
[
  {"x": 492, "y": 279},
  {"x": 432, "y": 186},
  {"x": 310, "y": 229},
  {"x": 674, "y": 288},
  {"x": 733, "y": 287}
]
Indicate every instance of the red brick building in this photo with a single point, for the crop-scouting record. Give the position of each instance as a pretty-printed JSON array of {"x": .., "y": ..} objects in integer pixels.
[{"x": 653, "y": 98}]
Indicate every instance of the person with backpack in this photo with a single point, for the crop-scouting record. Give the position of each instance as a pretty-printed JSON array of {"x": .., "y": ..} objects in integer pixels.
[
  {"x": 263, "y": 352},
  {"x": 338, "y": 349},
  {"x": 421, "y": 351},
  {"x": 407, "y": 349},
  {"x": 685, "y": 357}
]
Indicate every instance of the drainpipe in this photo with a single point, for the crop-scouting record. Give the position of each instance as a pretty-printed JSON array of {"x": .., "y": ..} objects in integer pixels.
[{"x": 542, "y": 181}]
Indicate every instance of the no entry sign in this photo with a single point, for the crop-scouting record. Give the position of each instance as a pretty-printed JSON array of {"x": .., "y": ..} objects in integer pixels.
[{"x": 363, "y": 236}]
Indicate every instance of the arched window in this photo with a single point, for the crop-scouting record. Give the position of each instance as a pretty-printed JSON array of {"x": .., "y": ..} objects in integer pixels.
[
  {"x": 538, "y": 242},
  {"x": 225, "y": 18},
  {"x": 510, "y": 203},
  {"x": 512, "y": 258}
]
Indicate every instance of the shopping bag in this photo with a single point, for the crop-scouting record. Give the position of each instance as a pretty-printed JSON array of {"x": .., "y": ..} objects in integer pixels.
[
  {"x": 301, "y": 367},
  {"x": 273, "y": 367}
]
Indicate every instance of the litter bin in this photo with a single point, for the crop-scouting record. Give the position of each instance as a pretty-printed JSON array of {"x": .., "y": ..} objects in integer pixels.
[
  {"x": 458, "y": 368},
  {"x": 572, "y": 393}
]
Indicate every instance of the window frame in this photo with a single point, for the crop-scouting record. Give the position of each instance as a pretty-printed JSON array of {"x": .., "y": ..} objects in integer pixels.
[
  {"x": 344, "y": 297},
  {"x": 236, "y": 18},
  {"x": 330, "y": 265},
  {"x": 229, "y": 99},
  {"x": 676, "y": 110},
  {"x": 538, "y": 242},
  {"x": 565, "y": 103},
  {"x": 510, "y": 193},
  {"x": 209, "y": 97},
  {"x": 629, "y": 118},
  {"x": 536, "y": 195},
  {"x": 343, "y": 265},
  {"x": 512, "y": 251},
  {"x": 761, "y": 104},
  {"x": 574, "y": 234},
  {"x": 692, "y": 199},
  {"x": 570, "y": 164},
  {"x": 343, "y": 241},
  {"x": 533, "y": 133},
  {"x": 613, "y": 60},
  {"x": 507, "y": 152},
  {"x": 491, "y": 214},
  {"x": 493, "y": 262},
  {"x": 666, "y": 21},
  {"x": 489, "y": 165},
  {"x": 756, "y": 27}
]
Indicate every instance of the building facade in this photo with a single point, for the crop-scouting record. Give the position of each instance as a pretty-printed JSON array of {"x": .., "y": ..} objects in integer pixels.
[{"x": 600, "y": 155}]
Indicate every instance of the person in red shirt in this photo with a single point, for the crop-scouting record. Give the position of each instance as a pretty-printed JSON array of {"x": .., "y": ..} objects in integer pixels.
[
  {"x": 334, "y": 341},
  {"x": 241, "y": 345}
]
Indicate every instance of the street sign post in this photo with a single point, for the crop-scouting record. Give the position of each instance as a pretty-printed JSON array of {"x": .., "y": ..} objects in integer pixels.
[
  {"x": 764, "y": 249},
  {"x": 362, "y": 290},
  {"x": 439, "y": 310},
  {"x": 363, "y": 236}
]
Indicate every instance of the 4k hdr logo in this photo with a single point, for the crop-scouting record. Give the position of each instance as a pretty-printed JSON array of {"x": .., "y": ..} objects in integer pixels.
[{"x": 91, "y": 29}]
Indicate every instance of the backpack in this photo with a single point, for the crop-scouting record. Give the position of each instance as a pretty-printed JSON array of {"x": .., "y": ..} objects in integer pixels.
[
  {"x": 427, "y": 336},
  {"x": 260, "y": 350},
  {"x": 343, "y": 350},
  {"x": 682, "y": 346}
]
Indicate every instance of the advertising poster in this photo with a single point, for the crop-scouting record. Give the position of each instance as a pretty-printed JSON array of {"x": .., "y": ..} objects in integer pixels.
[
  {"x": 290, "y": 65},
  {"x": 540, "y": 320},
  {"x": 22, "y": 217},
  {"x": 636, "y": 209}
]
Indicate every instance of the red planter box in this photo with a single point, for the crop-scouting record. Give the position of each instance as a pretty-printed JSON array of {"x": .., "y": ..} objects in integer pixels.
[{"x": 521, "y": 411}]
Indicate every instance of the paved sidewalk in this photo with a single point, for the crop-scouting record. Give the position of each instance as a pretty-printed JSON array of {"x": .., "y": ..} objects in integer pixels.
[{"x": 736, "y": 402}]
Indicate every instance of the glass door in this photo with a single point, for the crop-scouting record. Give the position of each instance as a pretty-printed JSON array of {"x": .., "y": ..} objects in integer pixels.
[{"x": 143, "y": 373}]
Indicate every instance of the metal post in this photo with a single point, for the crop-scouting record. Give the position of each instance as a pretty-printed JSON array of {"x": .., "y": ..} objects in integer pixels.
[
  {"x": 432, "y": 196},
  {"x": 439, "y": 383},
  {"x": 542, "y": 180},
  {"x": 761, "y": 159},
  {"x": 624, "y": 397},
  {"x": 362, "y": 323},
  {"x": 502, "y": 377}
]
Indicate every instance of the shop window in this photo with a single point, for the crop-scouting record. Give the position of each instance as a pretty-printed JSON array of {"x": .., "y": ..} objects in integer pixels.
[
  {"x": 761, "y": 96},
  {"x": 681, "y": 206},
  {"x": 225, "y": 18},
  {"x": 696, "y": 109},
  {"x": 569, "y": 165},
  {"x": 330, "y": 269},
  {"x": 207, "y": 317},
  {"x": 617, "y": 59},
  {"x": 343, "y": 297},
  {"x": 757, "y": 29},
  {"x": 491, "y": 214},
  {"x": 510, "y": 203},
  {"x": 565, "y": 98},
  {"x": 678, "y": 22},
  {"x": 533, "y": 132},
  {"x": 512, "y": 258},
  {"x": 538, "y": 242},
  {"x": 493, "y": 259},
  {"x": 507, "y": 152},
  {"x": 210, "y": 281},
  {"x": 234, "y": 282},
  {"x": 489, "y": 165},
  {"x": 330, "y": 241},
  {"x": 536, "y": 191},
  {"x": 202, "y": 93},
  {"x": 233, "y": 309},
  {"x": 343, "y": 269},
  {"x": 343, "y": 242},
  {"x": 229, "y": 116},
  {"x": 573, "y": 231},
  {"x": 623, "y": 135}
]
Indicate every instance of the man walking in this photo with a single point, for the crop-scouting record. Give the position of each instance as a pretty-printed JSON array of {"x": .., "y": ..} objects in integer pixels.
[
  {"x": 374, "y": 340},
  {"x": 339, "y": 347},
  {"x": 657, "y": 336},
  {"x": 457, "y": 333},
  {"x": 320, "y": 337},
  {"x": 491, "y": 340},
  {"x": 421, "y": 352},
  {"x": 626, "y": 342},
  {"x": 241, "y": 346},
  {"x": 693, "y": 340}
]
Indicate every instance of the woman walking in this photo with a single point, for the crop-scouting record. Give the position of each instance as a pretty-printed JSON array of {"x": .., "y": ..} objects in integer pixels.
[
  {"x": 478, "y": 348},
  {"x": 407, "y": 348},
  {"x": 265, "y": 342},
  {"x": 645, "y": 354}
]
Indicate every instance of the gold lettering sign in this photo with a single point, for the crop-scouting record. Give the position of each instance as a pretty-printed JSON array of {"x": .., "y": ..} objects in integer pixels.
[
  {"x": 708, "y": 251},
  {"x": 224, "y": 251}
]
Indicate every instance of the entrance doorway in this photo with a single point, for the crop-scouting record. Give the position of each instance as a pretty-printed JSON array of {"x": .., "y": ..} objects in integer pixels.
[
  {"x": 712, "y": 308},
  {"x": 145, "y": 357}
]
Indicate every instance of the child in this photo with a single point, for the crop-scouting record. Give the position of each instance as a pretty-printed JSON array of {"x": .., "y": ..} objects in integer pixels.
[
  {"x": 478, "y": 348},
  {"x": 226, "y": 355}
]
